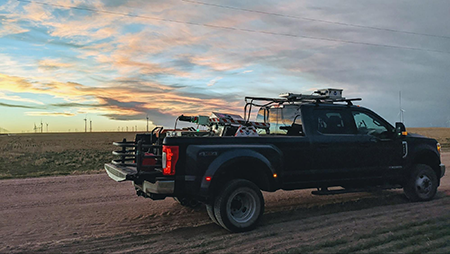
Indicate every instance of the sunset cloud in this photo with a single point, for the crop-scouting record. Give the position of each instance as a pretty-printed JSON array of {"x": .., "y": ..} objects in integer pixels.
[
  {"x": 119, "y": 100},
  {"x": 123, "y": 60},
  {"x": 14, "y": 105},
  {"x": 214, "y": 81},
  {"x": 18, "y": 98},
  {"x": 54, "y": 114},
  {"x": 52, "y": 64}
]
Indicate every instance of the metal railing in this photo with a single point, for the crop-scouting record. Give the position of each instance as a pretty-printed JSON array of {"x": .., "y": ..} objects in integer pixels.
[{"x": 146, "y": 146}]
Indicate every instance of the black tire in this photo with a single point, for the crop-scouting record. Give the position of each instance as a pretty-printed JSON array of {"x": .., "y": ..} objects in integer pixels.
[
  {"x": 239, "y": 206},
  {"x": 422, "y": 183},
  {"x": 188, "y": 202},
  {"x": 212, "y": 216}
]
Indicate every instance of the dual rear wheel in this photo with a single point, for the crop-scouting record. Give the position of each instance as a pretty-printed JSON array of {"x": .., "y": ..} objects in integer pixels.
[{"x": 238, "y": 207}]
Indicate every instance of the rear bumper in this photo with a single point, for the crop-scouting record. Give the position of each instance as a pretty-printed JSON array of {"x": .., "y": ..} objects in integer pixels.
[
  {"x": 442, "y": 166},
  {"x": 156, "y": 184},
  {"x": 165, "y": 187}
]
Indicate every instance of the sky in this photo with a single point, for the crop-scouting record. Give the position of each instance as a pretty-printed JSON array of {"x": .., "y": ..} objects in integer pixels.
[{"x": 116, "y": 62}]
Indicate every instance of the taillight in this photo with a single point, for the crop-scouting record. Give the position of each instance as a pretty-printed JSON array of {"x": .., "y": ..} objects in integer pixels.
[{"x": 169, "y": 159}]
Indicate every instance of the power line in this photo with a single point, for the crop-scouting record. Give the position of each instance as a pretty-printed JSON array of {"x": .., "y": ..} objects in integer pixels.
[
  {"x": 316, "y": 20},
  {"x": 238, "y": 29}
]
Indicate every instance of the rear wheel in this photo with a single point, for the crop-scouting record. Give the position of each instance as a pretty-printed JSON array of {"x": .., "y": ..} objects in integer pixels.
[
  {"x": 421, "y": 184},
  {"x": 239, "y": 206},
  {"x": 212, "y": 216}
]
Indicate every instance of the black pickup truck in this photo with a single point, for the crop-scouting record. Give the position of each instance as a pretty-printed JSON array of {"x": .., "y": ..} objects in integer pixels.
[{"x": 297, "y": 142}]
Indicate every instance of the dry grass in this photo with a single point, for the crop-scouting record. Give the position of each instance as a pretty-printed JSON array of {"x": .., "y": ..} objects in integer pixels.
[
  {"x": 33, "y": 155},
  {"x": 442, "y": 135}
]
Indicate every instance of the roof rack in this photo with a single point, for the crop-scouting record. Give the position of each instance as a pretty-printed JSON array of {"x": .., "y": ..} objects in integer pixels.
[{"x": 329, "y": 95}]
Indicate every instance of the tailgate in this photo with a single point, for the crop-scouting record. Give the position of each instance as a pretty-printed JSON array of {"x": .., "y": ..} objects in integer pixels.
[{"x": 120, "y": 173}]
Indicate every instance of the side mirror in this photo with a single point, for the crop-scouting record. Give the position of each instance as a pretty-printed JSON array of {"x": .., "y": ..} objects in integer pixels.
[{"x": 400, "y": 129}]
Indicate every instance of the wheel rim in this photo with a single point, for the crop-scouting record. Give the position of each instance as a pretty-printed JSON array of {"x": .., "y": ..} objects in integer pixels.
[
  {"x": 241, "y": 206},
  {"x": 424, "y": 185}
]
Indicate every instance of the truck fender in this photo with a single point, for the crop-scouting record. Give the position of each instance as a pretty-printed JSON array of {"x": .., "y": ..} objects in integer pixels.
[
  {"x": 222, "y": 163},
  {"x": 424, "y": 154}
]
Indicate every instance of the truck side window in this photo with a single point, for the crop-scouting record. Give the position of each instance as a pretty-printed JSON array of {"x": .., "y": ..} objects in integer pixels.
[
  {"x": 366, "y": 124},
  {"x": 331, "y": 122}
]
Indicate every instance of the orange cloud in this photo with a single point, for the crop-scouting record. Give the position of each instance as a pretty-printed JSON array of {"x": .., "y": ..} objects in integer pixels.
[
  {"x": 49, "y": 114},
  {"x": 122, "y": 100},
  {"x": 215, "y": 63},
  {"x": 52, "y": 64}
]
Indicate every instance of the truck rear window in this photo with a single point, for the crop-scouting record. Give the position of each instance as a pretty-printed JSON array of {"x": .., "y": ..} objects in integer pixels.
[{"x": 284, "y": 116}]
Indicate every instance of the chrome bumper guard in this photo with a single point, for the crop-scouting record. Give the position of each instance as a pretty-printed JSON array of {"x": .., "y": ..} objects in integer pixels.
[{"x": 159, "y": 187}]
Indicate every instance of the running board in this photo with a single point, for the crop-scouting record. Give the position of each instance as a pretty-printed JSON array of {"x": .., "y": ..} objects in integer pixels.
[{"x": 326, "y": 191}]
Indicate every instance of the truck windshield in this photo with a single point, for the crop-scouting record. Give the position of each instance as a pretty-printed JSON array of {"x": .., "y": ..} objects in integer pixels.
[{"x": 283, "y": 116}]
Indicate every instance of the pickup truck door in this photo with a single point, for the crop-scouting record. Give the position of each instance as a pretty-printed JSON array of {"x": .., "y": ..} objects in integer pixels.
[
  {"x": 337, "y": 149},
  {"x": 381, "y": 151}
]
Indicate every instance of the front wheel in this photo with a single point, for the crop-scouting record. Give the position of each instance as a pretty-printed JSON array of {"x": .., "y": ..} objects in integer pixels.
[
  {"x": 422, "y": 183},
  {"x": 239, "y": 206}
]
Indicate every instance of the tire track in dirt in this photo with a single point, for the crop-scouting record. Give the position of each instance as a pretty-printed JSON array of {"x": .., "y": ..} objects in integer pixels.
[
  {"x": 322, "y": 233},
  {"x": 92, "y": 213}
]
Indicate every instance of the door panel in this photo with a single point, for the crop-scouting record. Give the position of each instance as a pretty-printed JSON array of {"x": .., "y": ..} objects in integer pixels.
[{"x": 382, "y": 150}]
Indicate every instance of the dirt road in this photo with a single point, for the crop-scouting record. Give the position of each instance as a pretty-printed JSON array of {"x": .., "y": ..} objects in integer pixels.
[{"x": 92, "y": 213}]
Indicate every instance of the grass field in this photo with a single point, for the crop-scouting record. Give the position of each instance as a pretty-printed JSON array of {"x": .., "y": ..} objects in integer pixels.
[
  {"x": 442, "y": 135},
  {"x": 47, "y": 154}
]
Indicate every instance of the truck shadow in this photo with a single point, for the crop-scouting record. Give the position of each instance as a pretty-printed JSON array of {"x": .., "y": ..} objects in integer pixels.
[
  {"x": 298, "y": 210},
  {"x": 352, "y": 203}
]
